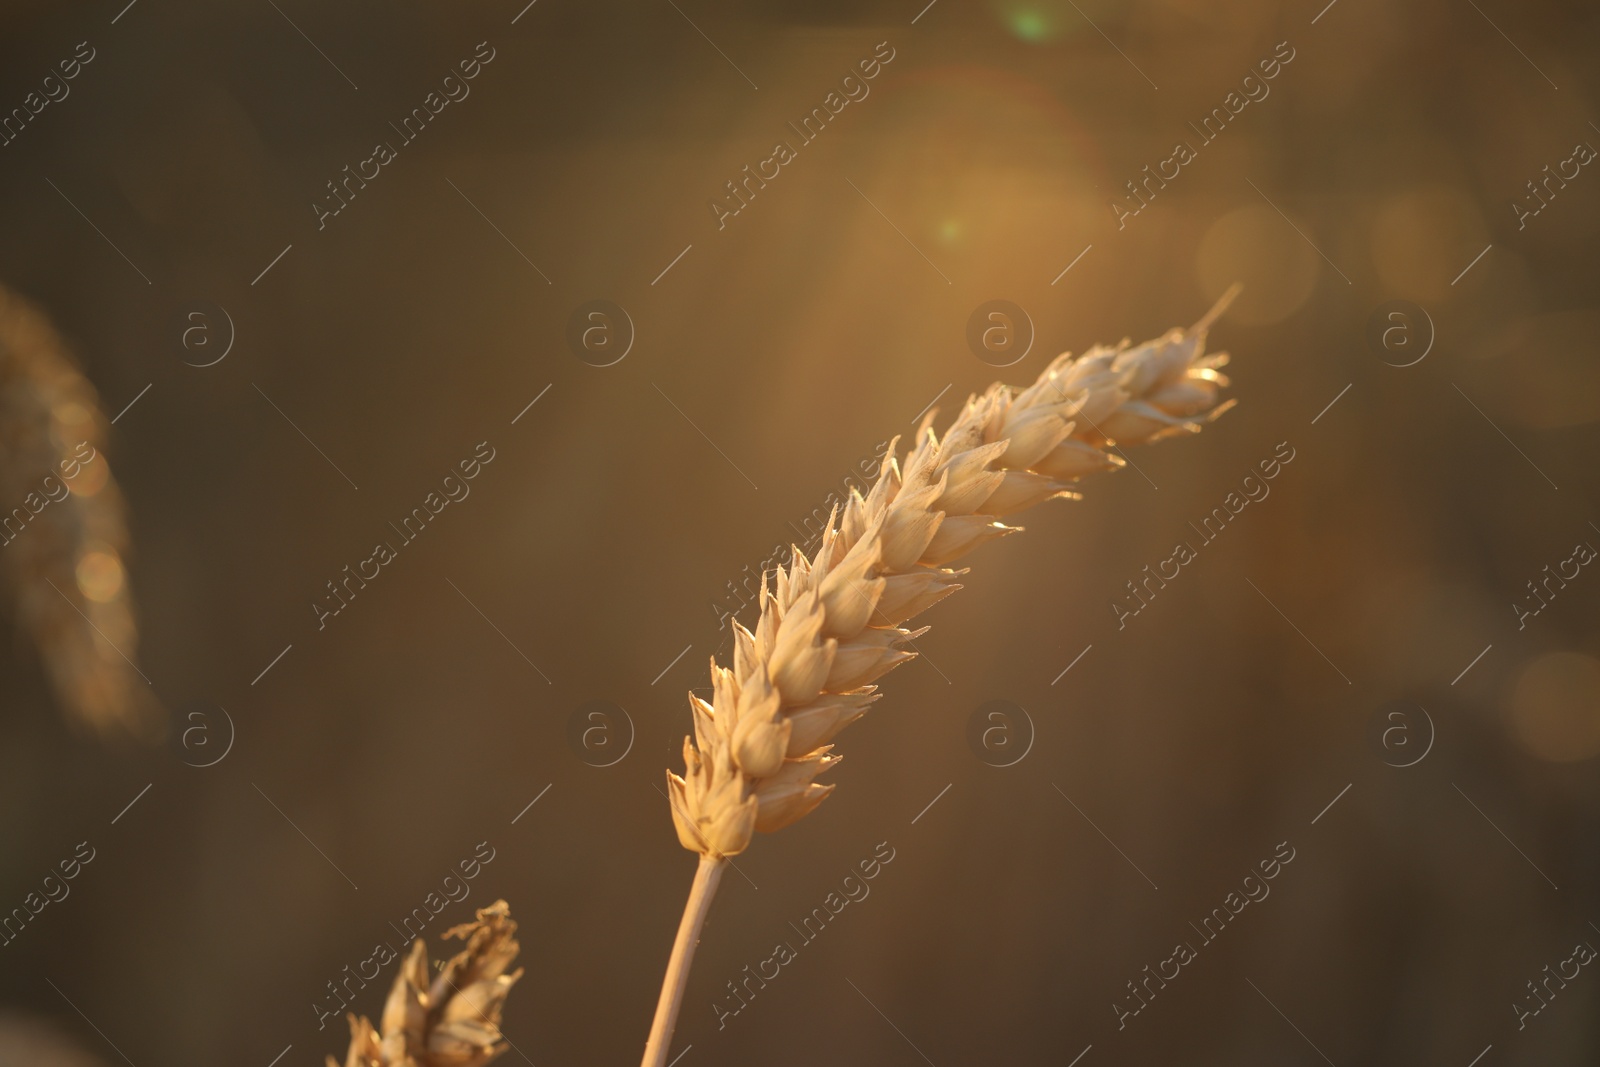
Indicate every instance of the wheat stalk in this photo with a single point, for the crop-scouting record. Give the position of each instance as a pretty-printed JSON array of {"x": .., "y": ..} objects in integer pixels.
[
  {"x": 831, "y": 626},
  {"x": 454, "y": 1020}
]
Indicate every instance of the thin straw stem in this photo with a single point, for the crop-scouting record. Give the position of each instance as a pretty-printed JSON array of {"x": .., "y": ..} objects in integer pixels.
[{"x": 706, "y": 877}]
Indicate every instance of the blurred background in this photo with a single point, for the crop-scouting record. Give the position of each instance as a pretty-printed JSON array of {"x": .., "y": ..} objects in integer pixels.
[{"x": 1352, "y": 670}]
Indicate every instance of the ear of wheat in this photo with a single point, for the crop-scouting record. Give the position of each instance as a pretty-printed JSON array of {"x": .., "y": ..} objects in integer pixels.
[
  {"x": 452, "y": 1020},
  {"x": 832, "y": 625}
]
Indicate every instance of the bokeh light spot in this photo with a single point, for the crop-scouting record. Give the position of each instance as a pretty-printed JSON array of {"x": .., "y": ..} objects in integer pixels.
[
  {"x": 1423, "y": 237},
  {"x": 1555, "y": 707},
  {"x": 1034, "y": 21},
  {"x": 1254, "y": 245},
  {"x": 70, "y": 423},
  {"x": 100, "y": 576},
  {"x": 1030, "y": 25}
]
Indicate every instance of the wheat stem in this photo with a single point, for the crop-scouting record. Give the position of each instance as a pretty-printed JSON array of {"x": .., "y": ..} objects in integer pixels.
[{"x": 706, "y": 877}]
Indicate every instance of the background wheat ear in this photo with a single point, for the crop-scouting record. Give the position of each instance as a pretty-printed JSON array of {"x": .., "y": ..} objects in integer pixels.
[
  {"x": 452, "y": 1020},
  {"x": 830, "y": 626},
  {"x": 63, "y": 535}
]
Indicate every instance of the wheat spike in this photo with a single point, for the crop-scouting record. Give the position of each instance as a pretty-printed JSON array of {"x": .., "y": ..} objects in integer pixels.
[
  {"x": 62, "y": 532},
  {"x": 830, "y": 626},
  {"x": 454, "y": 1020}
]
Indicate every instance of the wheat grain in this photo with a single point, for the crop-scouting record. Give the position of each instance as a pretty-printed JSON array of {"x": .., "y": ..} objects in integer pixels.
[
  {"x": 454, "y": 1020},
  {"x": 830, "y": 626}
]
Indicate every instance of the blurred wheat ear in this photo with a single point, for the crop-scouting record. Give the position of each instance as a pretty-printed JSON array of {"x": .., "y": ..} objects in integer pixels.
[
  {"x": 454, "y": 1020},
  {"x": 831, "y": 626},
  {"x": 63, "y": 536}
]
